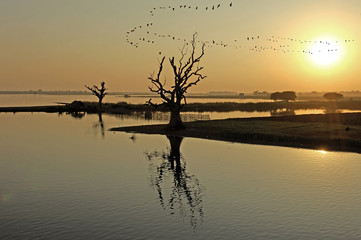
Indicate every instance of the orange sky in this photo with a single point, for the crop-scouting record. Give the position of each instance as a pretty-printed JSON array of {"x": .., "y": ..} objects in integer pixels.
[{"x": 58, "y": 45}]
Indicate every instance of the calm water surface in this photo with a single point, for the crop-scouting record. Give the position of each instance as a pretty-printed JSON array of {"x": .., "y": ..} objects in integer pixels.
[{"x": 65, "y": 178}]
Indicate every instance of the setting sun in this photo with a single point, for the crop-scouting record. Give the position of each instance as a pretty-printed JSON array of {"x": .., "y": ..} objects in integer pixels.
[{"x": 326, "y": 52}]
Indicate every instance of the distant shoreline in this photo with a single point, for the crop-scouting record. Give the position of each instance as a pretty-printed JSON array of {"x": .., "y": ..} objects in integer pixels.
[
  {"x": 329, "y": 132},
  {"x": 276, "y": 108}
]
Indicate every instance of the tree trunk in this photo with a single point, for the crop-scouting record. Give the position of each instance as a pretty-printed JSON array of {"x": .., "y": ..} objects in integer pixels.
[
  {"x": 175, "y": 122},
  {"x": 100, "y": 103}
]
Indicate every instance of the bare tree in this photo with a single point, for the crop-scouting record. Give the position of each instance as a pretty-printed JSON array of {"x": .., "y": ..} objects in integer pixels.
[
  {"x": 186, "y": 75},
  {"x": 99, "y": 92}
]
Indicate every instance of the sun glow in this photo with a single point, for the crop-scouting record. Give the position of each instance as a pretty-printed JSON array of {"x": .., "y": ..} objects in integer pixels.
[{"x": 326, "y": 52}]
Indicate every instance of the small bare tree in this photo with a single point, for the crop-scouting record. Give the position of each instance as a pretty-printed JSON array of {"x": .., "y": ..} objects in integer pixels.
[
  {"x": 99, "y": 92},
  {"x": 186, "y": 75}
]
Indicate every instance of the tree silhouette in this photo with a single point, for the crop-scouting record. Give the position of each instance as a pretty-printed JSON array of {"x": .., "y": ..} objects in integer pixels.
[
  {"x": 186, "y": 75},
  {"x": 285, "y": 96},
  {"x": 169, "y": 175},
  {"x": 333, "y": 96},
  {"x": 99, "y": 92}
]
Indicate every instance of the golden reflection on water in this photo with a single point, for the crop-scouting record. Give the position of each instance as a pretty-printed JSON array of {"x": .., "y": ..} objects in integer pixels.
[{"x": 322, "y": 151}]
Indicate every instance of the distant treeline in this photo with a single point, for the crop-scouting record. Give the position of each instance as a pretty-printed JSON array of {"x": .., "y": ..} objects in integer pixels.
[
  {"x": 271, "y": 106},
  {"x": 214, "y": 94},
  {"x": 124, "y": 108},
  {"x": 231, "y": 106}
]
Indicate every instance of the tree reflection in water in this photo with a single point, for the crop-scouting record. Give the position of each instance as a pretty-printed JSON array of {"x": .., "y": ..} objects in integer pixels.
[
  {"x": 100, "y": 124},
  {"x": 332, "y": 109},
  {"x": 282, "y": 112},
  {"x": 177, "y": 189},
  {"x": 77, "y": 115}
]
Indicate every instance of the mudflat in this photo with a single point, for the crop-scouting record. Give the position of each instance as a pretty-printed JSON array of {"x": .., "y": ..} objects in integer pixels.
[{"x": 333, "y": 132}]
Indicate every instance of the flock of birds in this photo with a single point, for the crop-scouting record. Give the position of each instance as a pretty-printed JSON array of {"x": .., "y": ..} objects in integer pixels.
[
  {"x": 152, "y": 12},
  {"x": 143, "y": 34},
  {"x": 150, "y": 36}
]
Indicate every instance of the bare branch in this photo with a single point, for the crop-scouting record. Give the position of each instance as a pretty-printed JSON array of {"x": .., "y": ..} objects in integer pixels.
[
  {"x": 183, "y": 52},
  {"x": 158, "y": 86}
]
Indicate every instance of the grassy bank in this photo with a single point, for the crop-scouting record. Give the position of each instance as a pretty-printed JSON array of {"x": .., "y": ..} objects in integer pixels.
[
  {"x": 338, "y": 132},
  {"x": 124, "y": 108},
  {"x": 272, "y": 106}
]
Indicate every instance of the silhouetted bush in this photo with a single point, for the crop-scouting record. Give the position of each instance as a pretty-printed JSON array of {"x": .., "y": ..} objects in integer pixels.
[
  {"x": 333, "y": 96},
  {"x": 284, "y": 96}
]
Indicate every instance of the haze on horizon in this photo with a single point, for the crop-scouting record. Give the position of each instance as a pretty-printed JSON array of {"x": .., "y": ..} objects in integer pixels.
[{"x": 55, "y": 45}]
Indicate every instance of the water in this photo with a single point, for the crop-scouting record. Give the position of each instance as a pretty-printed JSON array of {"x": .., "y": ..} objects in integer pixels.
[{"x": 64, "y": 178}]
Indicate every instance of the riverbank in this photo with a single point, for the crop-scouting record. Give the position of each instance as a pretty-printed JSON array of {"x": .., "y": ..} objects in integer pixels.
[
  {"x": 123, "y": 108},
  {"x": 330, "y": 132}
]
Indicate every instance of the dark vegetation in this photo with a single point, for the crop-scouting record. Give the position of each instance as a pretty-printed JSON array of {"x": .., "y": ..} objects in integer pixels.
[
  {"x": 124, "y": 108},
  {"x": 283, "y": 96},
  {"x": 271, "y": 106},
  {"x": 333, "y": 96}
]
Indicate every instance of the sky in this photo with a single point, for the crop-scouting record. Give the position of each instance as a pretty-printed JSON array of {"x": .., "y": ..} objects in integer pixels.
[{"x": 264, "y": 45}]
